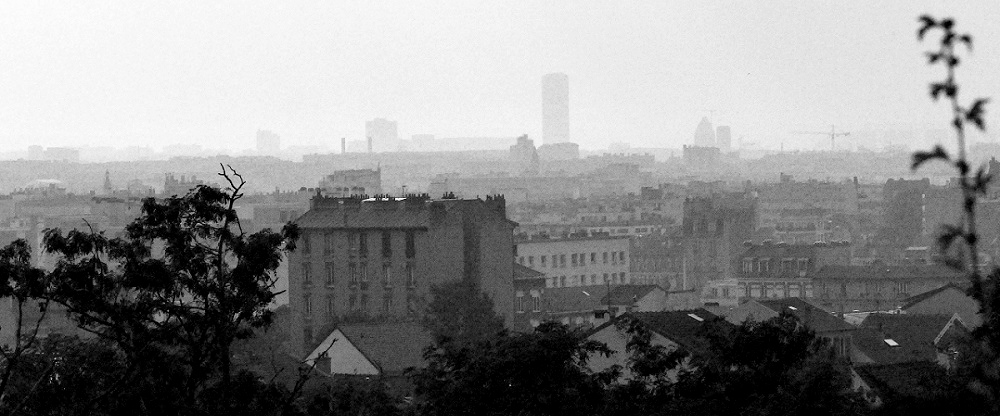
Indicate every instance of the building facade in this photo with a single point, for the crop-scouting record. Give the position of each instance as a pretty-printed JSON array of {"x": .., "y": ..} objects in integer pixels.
[
  {"x": 376, "y": 259},
  {"x": 345, "y": 183},
  {"x": 591, "y": 260}
]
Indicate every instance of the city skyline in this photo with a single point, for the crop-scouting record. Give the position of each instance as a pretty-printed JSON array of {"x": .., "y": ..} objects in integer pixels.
[{"x": 83, "y": 75}]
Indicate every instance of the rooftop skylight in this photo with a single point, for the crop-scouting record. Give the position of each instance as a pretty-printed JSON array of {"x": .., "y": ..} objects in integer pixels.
[
  {"x": 891, "y": 342},
  {"x": 696, "y": 317}
]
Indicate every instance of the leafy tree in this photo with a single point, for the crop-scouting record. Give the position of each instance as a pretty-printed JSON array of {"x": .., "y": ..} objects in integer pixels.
[
  {"x": 539, "y": 373},
  {"x": 773, "y": 367},
  {"x": 183, "y": 281},
  {"x": 459, "y": 313},
  {"x": 24, "y": 285},
  {"x": 350, "y": 397}
]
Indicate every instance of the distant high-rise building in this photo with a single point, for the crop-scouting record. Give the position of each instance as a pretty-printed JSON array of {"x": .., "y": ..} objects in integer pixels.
[
  {"x": 555, "y": 108},
  {"x": 524, "y": 156},
  {"x": 383, "y": 134},
  {"x": 268, "y": 143},
  {"x": 723, "y": 138},
  {"x": 704, "y": 135}
]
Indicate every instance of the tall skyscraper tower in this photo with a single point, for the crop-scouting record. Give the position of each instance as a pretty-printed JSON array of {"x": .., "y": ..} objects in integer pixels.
[
  {"x": 268, "y": 143},
  {"x": 555, "y": 108}
]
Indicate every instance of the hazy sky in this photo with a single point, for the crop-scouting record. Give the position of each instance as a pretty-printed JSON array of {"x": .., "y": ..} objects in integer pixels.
[{"x": 193, "y": 72}]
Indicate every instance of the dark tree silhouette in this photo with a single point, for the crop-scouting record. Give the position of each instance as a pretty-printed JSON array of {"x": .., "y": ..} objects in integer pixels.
[
  {"x": 985, "y": 287},
  {"x": 184, "y": 281}
]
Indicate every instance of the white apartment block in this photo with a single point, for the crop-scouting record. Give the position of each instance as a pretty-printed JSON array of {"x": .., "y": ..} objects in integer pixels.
[{"x": 577, "y": 261}]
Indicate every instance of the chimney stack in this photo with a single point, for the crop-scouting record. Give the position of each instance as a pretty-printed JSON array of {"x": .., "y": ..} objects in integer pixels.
[{"x": 343, "y": 145}]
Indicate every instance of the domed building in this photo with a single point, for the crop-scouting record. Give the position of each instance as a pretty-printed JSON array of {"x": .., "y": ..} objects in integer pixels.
[{"x": 704, "y": 135}]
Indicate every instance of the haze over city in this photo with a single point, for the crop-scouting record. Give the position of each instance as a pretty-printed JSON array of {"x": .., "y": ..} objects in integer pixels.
[{"x": 644, "y": 73}]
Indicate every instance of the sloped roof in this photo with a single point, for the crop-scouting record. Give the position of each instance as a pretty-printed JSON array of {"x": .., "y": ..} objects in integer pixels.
[
  {"x": 915, "y": 299},
  {"x": 812, "y": 316},
  {"x": 914, "y": 336},
  {"x": 902, "y": 380},
  {"x": 628, "y": 294},
  {"x": 678, "y": 326},
  {"x": 575, "y": 299},
  {"x": 524, "y": 272},
  {"x": 392, "y": 347}
]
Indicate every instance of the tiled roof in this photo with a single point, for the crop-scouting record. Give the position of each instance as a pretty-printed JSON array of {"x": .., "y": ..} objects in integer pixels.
[
  {"x": 926, "y": 271},
  {"x": 915, "y": 299},
  {"x": 678, "y": 326},
  {"x": 628, "y": 294},
  {"x": 575, "y": 299},
  {"x": 902, "y": 380},
  {"x": 912, "y": 336},
  {"x": 780, "y": 251},
  {"x": 393, "y": 347},
  {"x": 810, "y": 315},
  {"x": 524, "y": 272}
]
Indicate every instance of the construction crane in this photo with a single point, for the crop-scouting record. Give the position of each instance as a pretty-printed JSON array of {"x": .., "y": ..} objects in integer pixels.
[{"x": 833, "y": 133}]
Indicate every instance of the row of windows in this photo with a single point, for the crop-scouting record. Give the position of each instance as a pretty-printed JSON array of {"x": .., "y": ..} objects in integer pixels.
[
  {"x": 358, "y": 246},
  {"x": 763, "y": 265},
  {"x": 582, "y": 280},
  {"x": 576, "y": 259},
  {"x": 358, "y": 272},
  {"x": 869, "y": 287},
  {"x": 356, "y": 304}
]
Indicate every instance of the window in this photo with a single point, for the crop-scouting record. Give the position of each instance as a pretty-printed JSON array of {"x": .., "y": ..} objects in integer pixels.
[
  {"x": 562, "y": 260},
  {"x": 520, "y": 302},
  {"x": 328, "y": 244},
  {"x": 363, "y": 268},
  {"x": 531, "y": 261},
  {"x": 411, "y": 305},
  {"x": 352, "y": 270},
  {"x": 803, "y": 264},
  {"x": 364, "y": 304},
  {"x": 543, "y": 260},
  {"x": 306, "y": 275},
  {"x": 306, "y": 246},
  {"x": 411, "y": 244},
  {"x": 593, "y": 279},
  {"x": 307, "y": 306},
  {"x": 520, "y": 260},
  {"x": 536, "y": 303},
  {"x": 307, "y": 335},
  {"x": 329, "y": 273},
  {"x": 605, "y": 256},
  {"x": 387, "y": 275},
  {"x": 573, "y": 256},
  {"x": 362, "y": 245},
  {"x": 411, "y": 278},
  {"x": 330, "y": 306},
  {"x": 352, "y": 303},
  {"x": 747, "y": 265},
  {"x": 352, "y": 244},
  {"x": 386, "y": 245},
  {"x": 562, "y": 281},
  {"x": 605, "y": 278},
  {"x": 583, "y": 259},
  {"x": 387, "y": 305},
  {"x": 621, "y": 256}
]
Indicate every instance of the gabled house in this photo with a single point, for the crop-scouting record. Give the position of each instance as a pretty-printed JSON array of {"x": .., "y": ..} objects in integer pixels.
[
  {"x": 673, "y": 329},
  {"x": 883, "y": 384},
  {"x": 373, "y": 350},
  {"x": 819, "y": 320},
  {"x": 900, "y": 338},
  {"x": 947, "y": 300}
]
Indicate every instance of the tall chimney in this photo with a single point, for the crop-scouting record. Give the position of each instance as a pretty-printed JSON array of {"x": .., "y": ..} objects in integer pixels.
[
  {"x": 369, "y": 144},
  {"x": 343, "y": 145}
]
